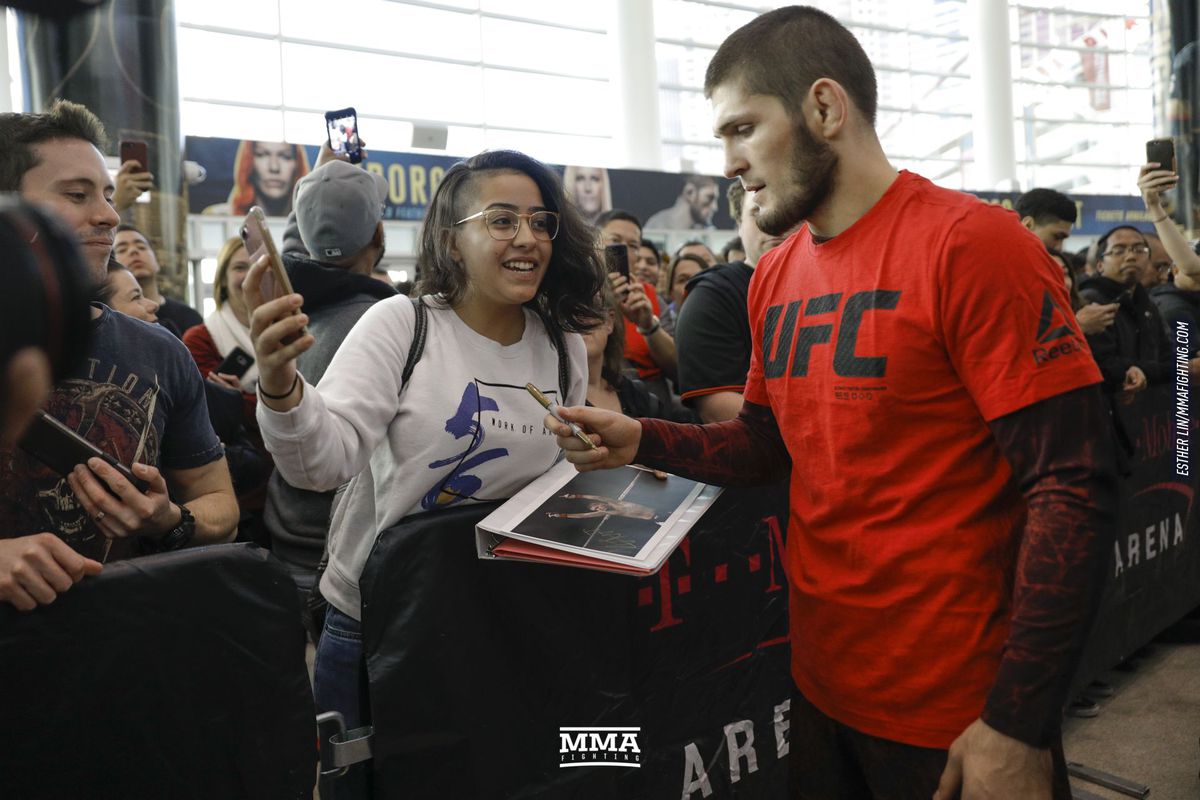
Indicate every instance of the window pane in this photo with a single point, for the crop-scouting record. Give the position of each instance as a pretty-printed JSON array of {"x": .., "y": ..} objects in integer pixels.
[
  {"x": 592, "y": 14},
  {"x": 699, "y": 22},
  {"x": 542, "y": 102},
  {"x": 317, "y": 78},
  {"x": 522, "y": 44},
  {"x": 258, "y": 17},
  {"x": 251, "y": 77},
  {"x": 231, "y": 122},
  {"x": 385, "y": 25}
]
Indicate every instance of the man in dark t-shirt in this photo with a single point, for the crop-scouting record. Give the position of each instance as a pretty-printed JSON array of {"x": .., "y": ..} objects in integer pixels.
[
  {"x": 138, "y": 397},
  {"x": 712, "y": 335}
]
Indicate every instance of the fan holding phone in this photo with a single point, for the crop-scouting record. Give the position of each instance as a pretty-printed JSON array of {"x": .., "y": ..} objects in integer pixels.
[
  {"x": 1157, "y": 176},
  {"x": 423, "y": 406}
]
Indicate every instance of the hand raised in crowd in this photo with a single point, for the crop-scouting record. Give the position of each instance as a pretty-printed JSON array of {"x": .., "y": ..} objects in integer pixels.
[
  {"x": 275, "y": 329},
  {"x": 616, "y": 435},
  {"x": 131, "y": 512},
  {"x": 228, "y": 381},
  {"x": 34, "y": 570},
  {"x": 132, "y": 180},
  {"x": 1153, "y": 180},
  {"x": 1135, "y": 380},
  {"x": 326, "y": 154},
  {"x": 984, "y": 764},
  {"x": 1094, "y": 318},
  {"x": 635, "y": 305}
]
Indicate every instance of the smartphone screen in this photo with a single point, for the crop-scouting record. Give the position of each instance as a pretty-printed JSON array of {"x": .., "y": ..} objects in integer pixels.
[
  {"x": 617, "y": 258},
  {"x": 1161, "y": 152},
  {"x": 342, "y": 127}
]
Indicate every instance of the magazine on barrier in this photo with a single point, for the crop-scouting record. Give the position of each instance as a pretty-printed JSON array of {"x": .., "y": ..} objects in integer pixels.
[{"x": 625, "y": 520}]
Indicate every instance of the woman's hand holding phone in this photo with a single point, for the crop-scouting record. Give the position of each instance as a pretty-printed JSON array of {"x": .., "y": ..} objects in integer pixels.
[
  {"x": 1153, "y": 180},
  {"x": 272, "y": 322}
]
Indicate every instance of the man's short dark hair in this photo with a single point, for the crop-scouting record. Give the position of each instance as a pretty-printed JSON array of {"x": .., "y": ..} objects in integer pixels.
[
  {"x": 737, "y": 198},
  {"x": 1102, "y": 242},
  {"x": 691, "y": 243},
  {"x": 653, "y": 248},
  {"x": 733, "y": 244},
  {"x": 1045, "y": 206},
  {"x": 20, "y": 132},
  {"x": 699, "y": 181},
  {"x": 784, "y": 52},
  {"x": 125, "y": 226},
  {"x": 621, "y": 214}
]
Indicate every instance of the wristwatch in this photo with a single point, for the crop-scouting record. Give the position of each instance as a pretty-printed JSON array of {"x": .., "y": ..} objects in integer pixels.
[
  {"x": 179, "y": 536},
  {"x": 654, "y": 326}
]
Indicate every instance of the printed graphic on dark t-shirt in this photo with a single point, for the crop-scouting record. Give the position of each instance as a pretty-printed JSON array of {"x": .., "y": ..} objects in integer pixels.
[{"x": 139, "y": 385}]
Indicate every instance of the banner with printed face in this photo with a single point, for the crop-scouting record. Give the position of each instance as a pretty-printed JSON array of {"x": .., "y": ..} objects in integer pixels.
[
  {"x": 246, "y": 173},
  {"x": 241, "y": 174},
  {"x": 494, "y": 679}
]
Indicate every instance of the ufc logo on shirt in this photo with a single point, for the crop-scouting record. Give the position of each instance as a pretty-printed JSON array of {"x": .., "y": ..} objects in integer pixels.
[{"x": 782, "y": 336}]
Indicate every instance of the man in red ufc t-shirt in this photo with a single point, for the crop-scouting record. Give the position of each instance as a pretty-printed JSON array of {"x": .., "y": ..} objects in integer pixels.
[{"x": 916, "y": 366}]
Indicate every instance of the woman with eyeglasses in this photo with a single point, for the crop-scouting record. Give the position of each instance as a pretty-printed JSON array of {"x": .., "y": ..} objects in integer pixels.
[{"x": 509, "y": 273}]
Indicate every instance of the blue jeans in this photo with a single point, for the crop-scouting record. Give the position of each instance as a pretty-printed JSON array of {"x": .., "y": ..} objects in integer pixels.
[{"x": 340, "y": 684}]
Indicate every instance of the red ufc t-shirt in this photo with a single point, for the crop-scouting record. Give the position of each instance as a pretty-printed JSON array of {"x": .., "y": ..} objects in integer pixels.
[
  {"x": 637, "y": 352},
  {"x": 883, "y": 353}
]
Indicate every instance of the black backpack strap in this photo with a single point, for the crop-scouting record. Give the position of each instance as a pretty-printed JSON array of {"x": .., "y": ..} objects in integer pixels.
[
  {"x": 564, "y": 364},
  {"x": 418, "y": 342}
]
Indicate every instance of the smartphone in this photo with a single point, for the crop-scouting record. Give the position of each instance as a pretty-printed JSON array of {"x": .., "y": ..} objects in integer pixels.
[
  {"x": 617, "y": 258},
  {"x": 236, "y": 363},
  {"x": 342, "y": 129},
  {"x": 135, "y": 150},
  {"x": 1161, "y": 152},
  {"x": 258, "y": 240},
  {"x": 62, "y": 449}
]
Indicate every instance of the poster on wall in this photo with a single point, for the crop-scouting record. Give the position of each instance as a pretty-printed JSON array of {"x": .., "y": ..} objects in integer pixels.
[{"x": 246, "y": 173}]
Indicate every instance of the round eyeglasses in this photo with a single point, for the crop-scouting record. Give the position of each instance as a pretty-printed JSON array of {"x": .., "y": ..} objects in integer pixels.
[{"x": 504, "y": 225}]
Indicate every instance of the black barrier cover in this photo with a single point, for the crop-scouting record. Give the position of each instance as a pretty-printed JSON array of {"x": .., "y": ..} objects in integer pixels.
[
  {"x": 1153, "y": 573},
  {"x": 475, "y": 665},
  {"x": 172, "y": 676}
]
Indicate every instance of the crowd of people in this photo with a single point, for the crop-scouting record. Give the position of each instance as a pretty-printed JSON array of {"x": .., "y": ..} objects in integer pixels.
[{"x": 310, "y": 422}]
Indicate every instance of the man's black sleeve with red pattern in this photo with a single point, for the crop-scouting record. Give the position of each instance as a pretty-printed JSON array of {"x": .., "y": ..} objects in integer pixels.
[
  {"x": 1062, "y": 458},
  {"x": 744, "y": 451}
]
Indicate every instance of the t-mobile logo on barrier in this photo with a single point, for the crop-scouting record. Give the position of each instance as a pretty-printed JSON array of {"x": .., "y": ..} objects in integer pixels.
[{"x": 599, "y": 747}]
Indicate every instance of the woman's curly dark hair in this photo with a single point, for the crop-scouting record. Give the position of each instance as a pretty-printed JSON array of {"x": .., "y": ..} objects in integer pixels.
[{"x": 566, "y": 299}]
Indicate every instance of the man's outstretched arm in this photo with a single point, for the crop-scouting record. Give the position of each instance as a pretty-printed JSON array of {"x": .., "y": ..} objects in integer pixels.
[{"x": 744, "y": 451}]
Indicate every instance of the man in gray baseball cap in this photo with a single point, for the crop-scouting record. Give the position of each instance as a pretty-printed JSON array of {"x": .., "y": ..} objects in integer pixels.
[
  {"x": 338, "y": 218},
  {"x": 339, "y": 208}
]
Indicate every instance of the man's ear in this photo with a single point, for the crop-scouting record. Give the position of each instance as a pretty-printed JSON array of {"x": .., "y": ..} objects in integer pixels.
[
  {"x": 1027, "y": 221},
  {"x": 830, "y": 108},
  {"x": 377, "y": 238}
]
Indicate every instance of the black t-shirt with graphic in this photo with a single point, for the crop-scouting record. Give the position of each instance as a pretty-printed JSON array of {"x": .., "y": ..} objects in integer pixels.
[{"x": 137, "y": 396}]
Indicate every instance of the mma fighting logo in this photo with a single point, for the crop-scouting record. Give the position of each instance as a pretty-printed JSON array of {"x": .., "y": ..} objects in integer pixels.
[{"x": 599, "y": 747}]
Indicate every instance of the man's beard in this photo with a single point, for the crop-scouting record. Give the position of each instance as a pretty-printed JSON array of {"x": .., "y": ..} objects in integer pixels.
[{"x": 810, "y": 183}]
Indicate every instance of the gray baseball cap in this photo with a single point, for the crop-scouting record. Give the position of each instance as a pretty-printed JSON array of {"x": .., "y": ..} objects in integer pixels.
[{"x": 338, "y": 206}]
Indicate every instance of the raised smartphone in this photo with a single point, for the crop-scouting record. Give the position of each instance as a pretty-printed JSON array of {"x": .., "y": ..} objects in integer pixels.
[
  {"x": 1161, "y": 152},
  {"x": 616, "y": 256},
  {"x": 342, "y": 128}
]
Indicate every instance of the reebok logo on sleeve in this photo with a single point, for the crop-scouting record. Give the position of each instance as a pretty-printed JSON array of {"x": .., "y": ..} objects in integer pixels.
[{"x": 1055, "y": 336}]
